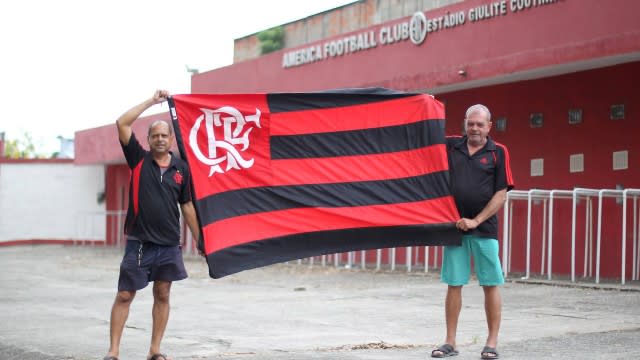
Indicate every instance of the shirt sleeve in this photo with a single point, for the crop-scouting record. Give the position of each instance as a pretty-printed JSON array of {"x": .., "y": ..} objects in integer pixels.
[
  {"x": 450, "y": 141},
  {"x": 133, "y": 151},
  {"x": 504, "y": 178}
]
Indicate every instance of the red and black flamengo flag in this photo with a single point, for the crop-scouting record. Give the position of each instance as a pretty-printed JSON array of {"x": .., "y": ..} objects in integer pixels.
[{"x": 285, "y": 176}]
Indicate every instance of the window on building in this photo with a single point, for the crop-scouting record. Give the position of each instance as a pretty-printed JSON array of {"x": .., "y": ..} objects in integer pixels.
[
  {"x": 537, "y": 167},
  {"x": 617, "y": 112},
  {"x": 575, "y": 116},
  {"x": 620, "y": 160},
  {"x": 536, "y": 120},
  {"x": 576, "y": 163}
]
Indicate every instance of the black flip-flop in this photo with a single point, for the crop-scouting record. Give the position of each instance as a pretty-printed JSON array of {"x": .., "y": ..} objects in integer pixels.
[
  {"x": 445, "y": 350},
  {"x": 489, "y": 353},
  {"x": 109, "y": 358},
  {"x": 158, "y": 357}
]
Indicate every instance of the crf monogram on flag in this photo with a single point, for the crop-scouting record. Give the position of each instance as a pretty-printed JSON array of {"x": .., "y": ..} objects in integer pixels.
[
  {"x": 237, "y": 136},
  {"x": 284, "y": 176}
]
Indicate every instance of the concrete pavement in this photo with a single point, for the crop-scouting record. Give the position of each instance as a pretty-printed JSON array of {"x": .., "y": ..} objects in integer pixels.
[{"x": 55, "y": 303}]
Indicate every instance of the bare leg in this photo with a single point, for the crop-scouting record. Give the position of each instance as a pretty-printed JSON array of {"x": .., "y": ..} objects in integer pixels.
[
  {"x": 119, "y": 315},
  {"x": 453, "y": 304},
  {"x": 161, "y": 291},
  {"x": 452, "y": 307},
  {"x": 493, "y": 309}
]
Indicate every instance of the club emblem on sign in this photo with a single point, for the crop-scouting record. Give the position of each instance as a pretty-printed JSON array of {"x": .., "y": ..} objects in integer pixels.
[
  {"x": 418, "y": 28},
  {"x": 235, "y": 129}
]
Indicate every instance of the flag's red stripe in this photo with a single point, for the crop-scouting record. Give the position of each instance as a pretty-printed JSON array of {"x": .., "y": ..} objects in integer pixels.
[
  {"x": 336, "y": 170},
  {"x": 357, "y": 117},
  {"x": 360, "y": 168},
  {"x": 249, "y": 228}
]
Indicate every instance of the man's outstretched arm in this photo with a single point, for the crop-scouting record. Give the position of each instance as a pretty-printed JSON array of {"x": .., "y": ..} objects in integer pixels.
[{"x": 125, "y": 120}]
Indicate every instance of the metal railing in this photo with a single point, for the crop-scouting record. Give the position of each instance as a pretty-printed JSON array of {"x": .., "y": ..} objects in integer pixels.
[
  {"x": 575, "y": 195},
  {"x": 549, "y": 200},
  {"x": 424, "y": 258},
  {"x": 412, "y": 259}
]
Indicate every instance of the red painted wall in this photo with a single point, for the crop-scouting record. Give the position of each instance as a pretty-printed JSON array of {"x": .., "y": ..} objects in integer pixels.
[
  {"x": 117, "y": 198},
  {"x": 597, "y": 137}
]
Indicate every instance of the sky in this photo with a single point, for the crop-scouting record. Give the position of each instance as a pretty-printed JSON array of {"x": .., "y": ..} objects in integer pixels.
[{"x": 70, "y": 65}]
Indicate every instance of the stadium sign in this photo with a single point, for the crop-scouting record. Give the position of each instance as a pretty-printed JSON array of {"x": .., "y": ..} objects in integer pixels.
[{"x": 415, "y": 29}]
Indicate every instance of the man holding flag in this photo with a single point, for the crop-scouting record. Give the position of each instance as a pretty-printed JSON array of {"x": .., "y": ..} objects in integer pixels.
[
  {"x": 480, "y": 178},
  {"x": 159, "y": 181}
]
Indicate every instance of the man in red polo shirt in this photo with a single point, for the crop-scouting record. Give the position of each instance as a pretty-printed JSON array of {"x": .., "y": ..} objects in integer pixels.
[{"x": 480, "y": 178}]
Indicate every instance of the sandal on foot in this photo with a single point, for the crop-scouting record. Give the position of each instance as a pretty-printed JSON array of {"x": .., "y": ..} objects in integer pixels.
[
  {"x": 109, "y": 358},
  {"x": 489, "y": 353},
  {"x": 445, "y": 350},
  {"x": 158, "y": 357}
]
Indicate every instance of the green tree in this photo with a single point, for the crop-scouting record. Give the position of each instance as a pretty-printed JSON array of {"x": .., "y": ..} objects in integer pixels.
[
  {"x": 271, "y": 40},
  {"x": 21, "y": 148}
]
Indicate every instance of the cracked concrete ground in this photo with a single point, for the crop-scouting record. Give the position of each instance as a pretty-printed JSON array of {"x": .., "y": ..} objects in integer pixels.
[{"x": 55, "y": 303}]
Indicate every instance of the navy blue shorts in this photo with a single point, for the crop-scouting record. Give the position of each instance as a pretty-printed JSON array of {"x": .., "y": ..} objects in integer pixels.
[{"x": 145, "y": 262}]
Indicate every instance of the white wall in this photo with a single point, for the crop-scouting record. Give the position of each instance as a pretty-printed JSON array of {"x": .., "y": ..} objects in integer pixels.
[{"x": 51, "y": 201}]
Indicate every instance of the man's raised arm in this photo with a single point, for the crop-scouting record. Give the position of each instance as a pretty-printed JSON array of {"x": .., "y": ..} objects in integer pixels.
[{"x": 125, "y": 120}]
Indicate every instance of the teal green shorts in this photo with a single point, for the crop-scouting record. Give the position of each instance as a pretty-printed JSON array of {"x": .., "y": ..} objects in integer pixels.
[{"x": 456, "y": 262}]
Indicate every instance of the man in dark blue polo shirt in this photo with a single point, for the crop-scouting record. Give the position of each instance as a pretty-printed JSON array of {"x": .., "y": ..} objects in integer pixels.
[
  {"x": 480, "y": 178},
  {"x": 159, "y": 182}
]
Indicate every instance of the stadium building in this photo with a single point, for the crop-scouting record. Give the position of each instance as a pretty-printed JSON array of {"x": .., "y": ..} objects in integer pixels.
[{"x": 560, "y": 77}]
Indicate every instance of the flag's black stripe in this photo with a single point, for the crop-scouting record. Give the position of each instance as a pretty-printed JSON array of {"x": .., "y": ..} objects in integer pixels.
[
  {"x": 359, "y": 142},
  {"x": 284, "y": 102},
  {"x": 284, "y": 248},
  {"x": 264, "y": 199}
]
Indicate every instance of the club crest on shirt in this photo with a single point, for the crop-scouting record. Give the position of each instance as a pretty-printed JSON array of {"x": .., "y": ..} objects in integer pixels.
[
  {"x": 484, "y": 161},
  {"x": 178, "y": 178}
]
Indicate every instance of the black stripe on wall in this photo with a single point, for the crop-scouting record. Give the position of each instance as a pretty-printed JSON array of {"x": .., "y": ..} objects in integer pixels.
[
  {"x": 264, "y": 199},
  {"x": 359, "y": 142},
  {"x": 285, "y": 102},
  {"x": 285, "y": 248}
]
